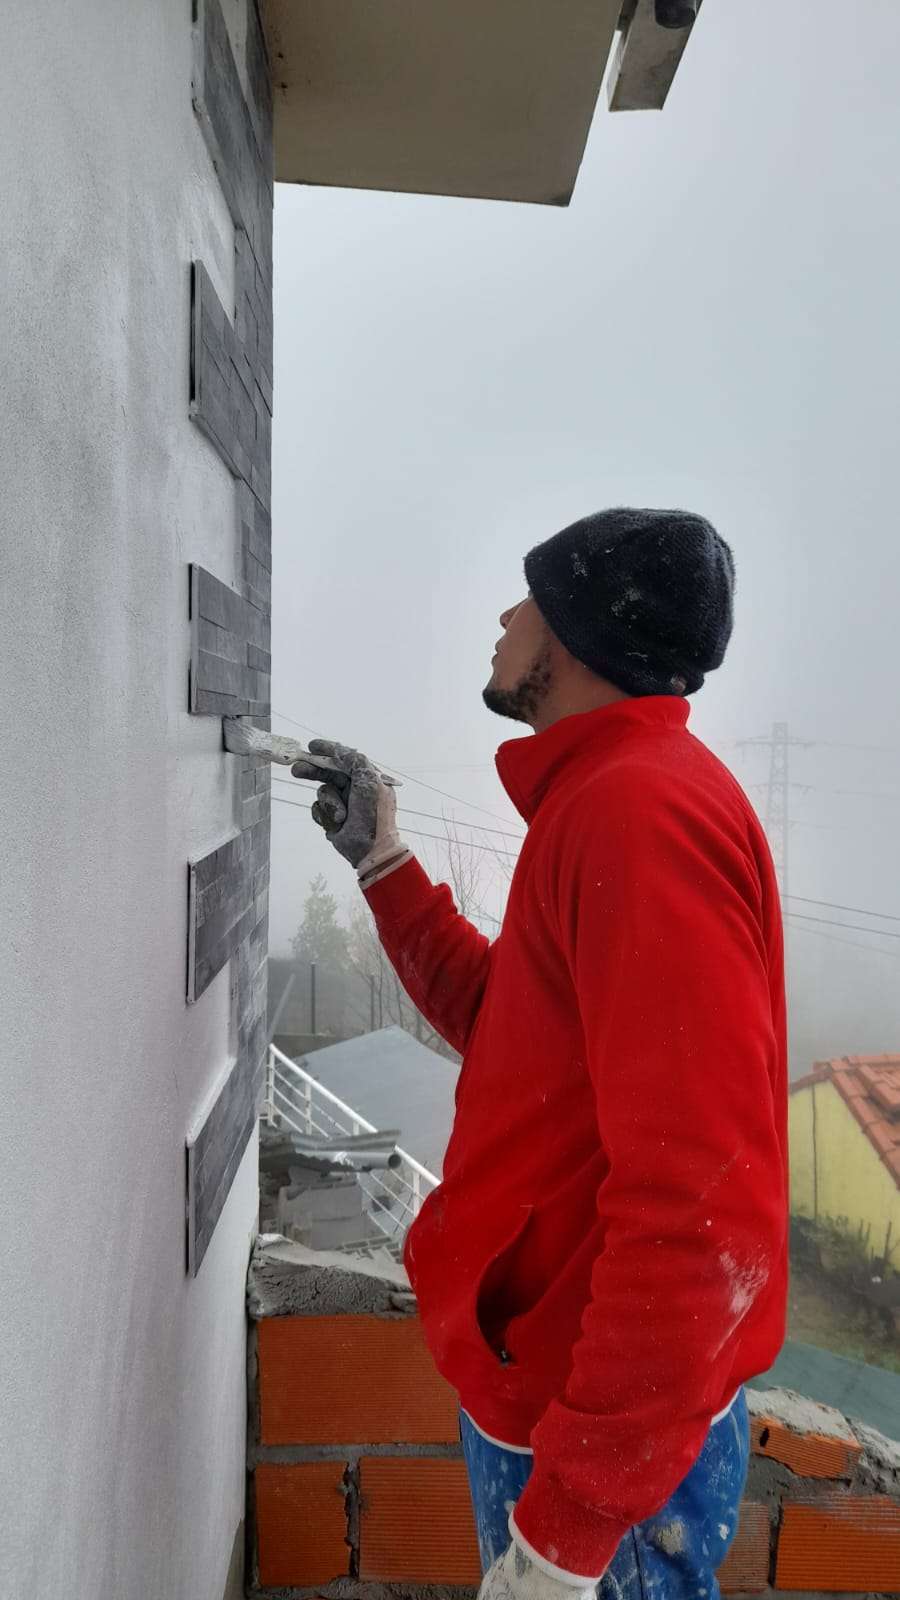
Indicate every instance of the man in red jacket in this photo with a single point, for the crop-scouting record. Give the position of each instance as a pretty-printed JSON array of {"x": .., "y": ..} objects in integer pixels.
[{"x": 604, "y": 1264}]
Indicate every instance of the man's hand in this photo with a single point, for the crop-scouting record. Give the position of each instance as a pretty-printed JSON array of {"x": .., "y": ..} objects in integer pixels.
[
  {"x": 514, "y": 1576},
  {"x": 357, "y": 810}
]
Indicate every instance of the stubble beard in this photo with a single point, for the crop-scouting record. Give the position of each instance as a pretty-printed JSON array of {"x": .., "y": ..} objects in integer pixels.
[{"x": 523, "y": 702}]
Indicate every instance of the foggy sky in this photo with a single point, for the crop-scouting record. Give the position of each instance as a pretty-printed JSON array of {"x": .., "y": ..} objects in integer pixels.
[{"x": 713, "y": 324}]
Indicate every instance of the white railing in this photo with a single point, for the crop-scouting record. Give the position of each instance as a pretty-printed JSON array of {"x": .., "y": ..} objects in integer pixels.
[{"x": 294, "y": 1098}]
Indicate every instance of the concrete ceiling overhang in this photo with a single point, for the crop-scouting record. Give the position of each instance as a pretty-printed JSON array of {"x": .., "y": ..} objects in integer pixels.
[{"x": 491, "y": 99}]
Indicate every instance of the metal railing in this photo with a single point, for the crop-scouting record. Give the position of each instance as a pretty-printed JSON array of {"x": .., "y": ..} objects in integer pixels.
[{"x": 293, "y": 1097}]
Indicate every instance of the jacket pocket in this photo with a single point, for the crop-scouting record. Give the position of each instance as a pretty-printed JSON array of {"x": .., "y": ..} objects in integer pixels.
[{"x": 496, "y": 1301}]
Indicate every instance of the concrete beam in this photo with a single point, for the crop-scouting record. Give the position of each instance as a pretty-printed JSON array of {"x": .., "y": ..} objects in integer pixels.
[{"x": 646, "y": 60}]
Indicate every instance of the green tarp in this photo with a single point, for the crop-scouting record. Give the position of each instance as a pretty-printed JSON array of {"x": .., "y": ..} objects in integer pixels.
[{"x": 872, "y": 1394}]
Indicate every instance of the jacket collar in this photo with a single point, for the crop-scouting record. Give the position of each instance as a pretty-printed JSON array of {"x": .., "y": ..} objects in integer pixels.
[{"x": 529, "y": 766}]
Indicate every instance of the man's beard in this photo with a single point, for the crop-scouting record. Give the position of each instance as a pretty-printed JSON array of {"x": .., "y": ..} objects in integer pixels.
[{"x": 524, "y": 701}]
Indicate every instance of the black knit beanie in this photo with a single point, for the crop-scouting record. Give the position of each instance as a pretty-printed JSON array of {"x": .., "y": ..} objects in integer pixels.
[{"x": 642, "y": 598}]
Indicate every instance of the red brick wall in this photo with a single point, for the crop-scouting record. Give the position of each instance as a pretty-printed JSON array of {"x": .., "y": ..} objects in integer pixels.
[{"x": 356, "y": 1474}]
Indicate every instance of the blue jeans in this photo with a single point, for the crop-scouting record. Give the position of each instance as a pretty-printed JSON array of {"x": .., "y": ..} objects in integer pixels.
[{"x": 674, "y": 1555}]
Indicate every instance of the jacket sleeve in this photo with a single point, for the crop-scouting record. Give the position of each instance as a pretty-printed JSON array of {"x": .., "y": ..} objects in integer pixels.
[
  {"x": 660, "y": 919},
  {"x": 441, "y": 959}
]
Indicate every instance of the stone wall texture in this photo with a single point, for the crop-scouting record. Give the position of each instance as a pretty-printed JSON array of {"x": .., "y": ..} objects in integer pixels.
[{"x": 231, "y": 402}]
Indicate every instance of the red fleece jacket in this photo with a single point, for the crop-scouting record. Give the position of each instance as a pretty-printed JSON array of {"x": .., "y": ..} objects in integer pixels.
[{"x": 605, "y": 1260}]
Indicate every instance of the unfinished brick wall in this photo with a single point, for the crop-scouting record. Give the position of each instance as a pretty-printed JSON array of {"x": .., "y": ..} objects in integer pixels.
[{"x": 357, "y": 1484}]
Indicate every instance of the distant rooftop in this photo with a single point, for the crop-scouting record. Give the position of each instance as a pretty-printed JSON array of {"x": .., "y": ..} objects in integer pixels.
[{"x": 870, "y": 1086}]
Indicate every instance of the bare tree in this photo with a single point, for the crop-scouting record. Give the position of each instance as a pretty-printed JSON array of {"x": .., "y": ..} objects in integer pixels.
[
  {"x": 466, "y": 872},
  {"x": 472, "y": 862},
  {"x": 378, "y": 998}
]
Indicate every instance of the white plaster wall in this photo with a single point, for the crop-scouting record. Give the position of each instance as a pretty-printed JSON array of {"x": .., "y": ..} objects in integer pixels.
[{"x": 122, "y": 1397}]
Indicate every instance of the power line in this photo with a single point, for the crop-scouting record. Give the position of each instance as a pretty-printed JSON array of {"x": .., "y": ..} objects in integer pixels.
[
  {"x": 821, "y": 788},
  {"x": 802, "y": 899},
  {"x": 431, "y": 815},
  {"x": 866, "y": 794},
  {"x": 883, "y": 749},
  {"x": 855, "y": 927},
  {"x": 389, "y": 767},
  {"x": 832, "y": 905},
  {"x": 466, "y": 844},
  {"x": 803, "y": 786},
  {"x": 854, "y": 944},
  {"x": 451, "y": 766},
  {"x": 794, "y": 916},
  {"x": 829, "y": 744}
]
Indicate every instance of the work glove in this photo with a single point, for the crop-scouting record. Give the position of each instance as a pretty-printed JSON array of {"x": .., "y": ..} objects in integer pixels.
[
  {"x": 515, "y": 1576},
  {"x": 356, "y": 809}
]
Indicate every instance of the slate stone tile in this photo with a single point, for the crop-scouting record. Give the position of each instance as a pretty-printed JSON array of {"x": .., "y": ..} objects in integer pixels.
[
  {"x": 215, "y": 1155},
  {"x": 207, "y": 704},
  {"x": 231, "y": 400},
  {"x": 211, "y": 1206}
]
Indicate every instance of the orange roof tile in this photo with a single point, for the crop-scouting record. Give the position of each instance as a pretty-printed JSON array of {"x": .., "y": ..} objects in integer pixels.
[
  {"x": 884, "y": 1087},
  {"x": 870, "y": 1086}
]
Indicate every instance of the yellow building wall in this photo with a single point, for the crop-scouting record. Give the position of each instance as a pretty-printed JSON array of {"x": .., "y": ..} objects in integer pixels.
[
  {"x": 852, "y": 1180},
  {"x": 800, "y": 1108}
]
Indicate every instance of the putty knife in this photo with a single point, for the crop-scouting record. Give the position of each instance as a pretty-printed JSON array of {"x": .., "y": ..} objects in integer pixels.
[{"x": 242, "y": 739}]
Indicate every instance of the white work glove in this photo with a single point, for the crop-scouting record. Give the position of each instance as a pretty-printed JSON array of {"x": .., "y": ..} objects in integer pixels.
[
  {"x": 515, "y": 1576},
  {"x": 357, "y": 810}
]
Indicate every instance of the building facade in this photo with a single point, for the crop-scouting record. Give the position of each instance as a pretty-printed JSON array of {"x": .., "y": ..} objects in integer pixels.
[{"x": 136, "y": 174}]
